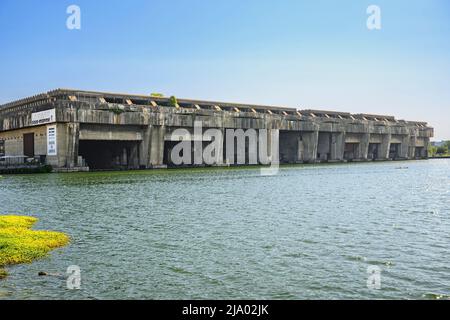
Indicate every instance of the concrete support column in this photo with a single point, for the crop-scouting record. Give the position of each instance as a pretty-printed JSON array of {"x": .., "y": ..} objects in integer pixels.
[
  {"x": 274, "y": 145},
  {"x": 68, "y": 149},
  {"x": 310, "y": 141},
  {"x": 412, "y": 147},
  {"x": 383, "y": 152},
  {"x": 144, "y": 147},
  {"x": 404, "y": 147},
  {"x": 157, "y": 146},
  {"x": 337, "y": 146},
  {"x": 363, "y": 148},
  {"x": 151, "y": 149}
]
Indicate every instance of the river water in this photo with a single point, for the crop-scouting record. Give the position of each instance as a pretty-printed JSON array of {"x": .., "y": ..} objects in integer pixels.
[{"x": 310, "y": 232}]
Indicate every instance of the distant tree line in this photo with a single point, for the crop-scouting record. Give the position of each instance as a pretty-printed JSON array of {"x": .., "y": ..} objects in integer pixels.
[{"x": 443, "y": 150}]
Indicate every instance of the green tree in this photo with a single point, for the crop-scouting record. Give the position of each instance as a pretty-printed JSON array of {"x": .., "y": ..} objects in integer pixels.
[
  {"x": 432, "y": 151},
  {"x": 173, "y": 101},
  {"x": 442, "y": 150},
  {"x": 447, "y": 144}
]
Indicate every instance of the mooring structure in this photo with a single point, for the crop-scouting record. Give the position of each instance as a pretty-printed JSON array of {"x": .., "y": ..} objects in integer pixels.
[{"x": 74, "y": 130}]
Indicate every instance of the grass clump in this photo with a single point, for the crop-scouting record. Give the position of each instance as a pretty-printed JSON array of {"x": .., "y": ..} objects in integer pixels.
[{"x": 20, "y": 244}]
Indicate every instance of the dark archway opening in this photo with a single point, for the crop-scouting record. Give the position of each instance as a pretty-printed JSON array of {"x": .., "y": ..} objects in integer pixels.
[
  {"x": 394, "y": 151},
  {"x": 168, "y": 146},
  {"x": 109, "y": 155},
  {"x": 351, "y": 151},
  {"x": 288, "y": 146},
  {"x": 419, "y": 152},
  {"x": 373, "y": 151}
]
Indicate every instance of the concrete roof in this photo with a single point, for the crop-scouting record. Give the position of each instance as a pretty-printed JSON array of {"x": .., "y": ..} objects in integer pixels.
[{"x": 58, "y": 93}]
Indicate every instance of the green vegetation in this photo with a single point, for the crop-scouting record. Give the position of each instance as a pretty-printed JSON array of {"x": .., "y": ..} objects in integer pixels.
[
  {"x": 157, "y": 95},
  {"x": 117, "y": 110},
  {"x": 20, "y": 244},
  {"x": 173, "y": 102},
  {"x": 441, "y": 151}
]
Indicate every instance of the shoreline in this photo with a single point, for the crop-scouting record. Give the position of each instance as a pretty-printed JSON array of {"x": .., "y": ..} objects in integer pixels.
[{"x": 227, "y": 167}]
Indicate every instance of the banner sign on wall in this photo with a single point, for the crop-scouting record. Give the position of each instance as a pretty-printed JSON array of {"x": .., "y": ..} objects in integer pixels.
[
  {"x": 51, "y": 141},
  {"x": 43, "y": 117}
]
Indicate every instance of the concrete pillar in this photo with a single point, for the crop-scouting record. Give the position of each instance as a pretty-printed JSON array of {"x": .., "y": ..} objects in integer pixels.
[
  {"x": 383, "y": 151},
  {"x": 310, "y": 141},
  {"x": 337, "y": 146},
  {"x": 363, "y": 148},
  {"x": 151, "y": 149},
  {"x": 404, "y": 147},
  {"x": 144, "y": 148},
  {"x": 157, "y": 146},
  {"x": 412, "y": 147},
  {"x": 68, "y": 135}
]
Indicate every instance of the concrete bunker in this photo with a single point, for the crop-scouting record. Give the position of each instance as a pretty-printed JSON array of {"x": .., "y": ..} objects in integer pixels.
[{"x": 87, "y": 130}]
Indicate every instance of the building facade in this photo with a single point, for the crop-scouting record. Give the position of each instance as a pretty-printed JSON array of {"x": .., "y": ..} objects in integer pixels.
[{"x": 76, "y": 130}]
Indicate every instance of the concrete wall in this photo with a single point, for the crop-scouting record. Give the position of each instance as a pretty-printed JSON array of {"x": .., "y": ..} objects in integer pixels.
[
  {"x": 14, "y": 140},
  {"x": 110, "y": 132}
]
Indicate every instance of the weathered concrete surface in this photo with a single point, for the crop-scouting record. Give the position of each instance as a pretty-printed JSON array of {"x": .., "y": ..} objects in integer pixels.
[
  {"x": 138, "y": 129},
  {"x": 157, "y": 147}
]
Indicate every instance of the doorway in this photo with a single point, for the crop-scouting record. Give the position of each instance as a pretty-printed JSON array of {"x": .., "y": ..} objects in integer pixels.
[
  {"x": 109, "y": 155},
  {"x": 28, "y": 145}
]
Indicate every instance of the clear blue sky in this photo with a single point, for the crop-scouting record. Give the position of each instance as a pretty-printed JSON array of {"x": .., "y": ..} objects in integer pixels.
[{"x": 306, "y": 54}]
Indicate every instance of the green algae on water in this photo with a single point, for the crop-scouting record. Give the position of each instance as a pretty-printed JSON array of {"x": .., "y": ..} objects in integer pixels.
[{"x": 20, "y": 244}]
